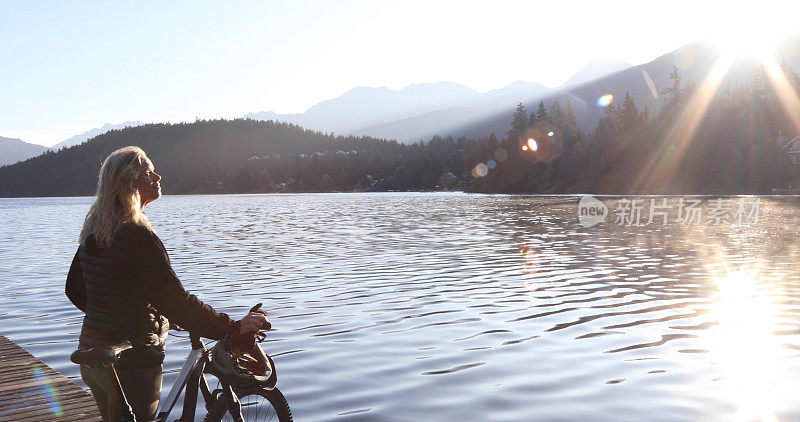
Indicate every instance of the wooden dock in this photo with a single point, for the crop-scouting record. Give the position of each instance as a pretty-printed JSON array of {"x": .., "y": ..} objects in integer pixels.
[{"x": 32, "y": 391}]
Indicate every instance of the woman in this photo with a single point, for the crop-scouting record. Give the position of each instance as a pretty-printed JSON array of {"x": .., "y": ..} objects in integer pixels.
[{"x": 122, "y": 279}]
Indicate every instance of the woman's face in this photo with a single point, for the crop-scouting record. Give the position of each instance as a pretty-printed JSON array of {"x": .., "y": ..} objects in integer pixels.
[{"x": 148, "y": 184}]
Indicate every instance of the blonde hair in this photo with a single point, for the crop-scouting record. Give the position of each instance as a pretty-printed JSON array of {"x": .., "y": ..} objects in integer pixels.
[{"x": 117, "y": 201}]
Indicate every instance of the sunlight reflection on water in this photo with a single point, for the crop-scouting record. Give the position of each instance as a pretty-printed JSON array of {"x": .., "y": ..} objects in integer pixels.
[{"x": 455, "y": 306}]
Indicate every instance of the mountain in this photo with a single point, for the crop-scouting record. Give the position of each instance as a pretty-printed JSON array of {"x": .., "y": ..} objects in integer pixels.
[
  {"x": 83, "y": 137},
  {"x": 13, "y": 150},
  {"x": 617, "y": 78},
  {"x": 423, "y": 126},
  {"x": 731, "y": 148},
  {"x": 408, "y": 114},
  {"x": 477, "y": 115},
  {"x": 512, "y": 92},
  {"x": 364, "y": 106},
  {"x": 693, "y": 62},
  {"x": 596, "y": 69},
  {"x": 412, "y": 113}
]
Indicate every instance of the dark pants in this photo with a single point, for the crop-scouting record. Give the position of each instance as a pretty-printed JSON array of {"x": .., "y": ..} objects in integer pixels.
[{"x": 142, "y": 388}]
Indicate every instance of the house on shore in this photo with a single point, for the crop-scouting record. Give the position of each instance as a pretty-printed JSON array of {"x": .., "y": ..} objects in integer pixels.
[{"x": 791, "y": 146}]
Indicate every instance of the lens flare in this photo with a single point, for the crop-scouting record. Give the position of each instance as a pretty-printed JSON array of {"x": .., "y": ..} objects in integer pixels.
[
  {"x": 551, "y": 133},
  {"x": 605, "y": 100},
  {"x": 530, "y": 264},
  {"x": 500, "y": 154},
  {"x": 650, "y": 85},
  {"x": 491, "y": 164},
  {"x": 524, "y": 147},
  {"x": 532, "y": 144},
  {"x": 577, "y": 102},
  {"x": 48, "y": 391},
  {"x": 480, "y": 170}
]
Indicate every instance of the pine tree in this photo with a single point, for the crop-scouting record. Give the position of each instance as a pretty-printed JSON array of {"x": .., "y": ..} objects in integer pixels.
[
  {"x": 645, "y": 116},
  {"x": 629, "y": 117},
  {"x": 570, "y": 121},
  {"x": 541, "y": 112},
  {"x": 556, "y": 113},
  {"x": 672, "y": 94},
  {"x": 518, "y": 124}
]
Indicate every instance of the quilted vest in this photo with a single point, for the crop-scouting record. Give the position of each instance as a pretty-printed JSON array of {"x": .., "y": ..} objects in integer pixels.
[{"x": 116, "y": 308}]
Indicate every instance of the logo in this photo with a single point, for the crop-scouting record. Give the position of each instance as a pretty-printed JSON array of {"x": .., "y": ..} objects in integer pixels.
[{"x": 591, "y": 211}]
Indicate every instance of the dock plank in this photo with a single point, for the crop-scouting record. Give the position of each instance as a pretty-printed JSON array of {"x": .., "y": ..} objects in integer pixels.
[{"x": 31, "y": 390}]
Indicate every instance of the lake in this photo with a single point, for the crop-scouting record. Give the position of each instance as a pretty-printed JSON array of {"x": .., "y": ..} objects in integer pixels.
[{"x": 451, "y": 306}]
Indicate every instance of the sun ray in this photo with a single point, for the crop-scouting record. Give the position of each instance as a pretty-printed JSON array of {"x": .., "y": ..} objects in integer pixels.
[
  {"x": 784, "y": 91},
  {"x": 663, "y": 163}
]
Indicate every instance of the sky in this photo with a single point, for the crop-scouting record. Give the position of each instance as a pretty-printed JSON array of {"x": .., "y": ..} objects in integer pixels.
[{"x": 67, "y": 67}]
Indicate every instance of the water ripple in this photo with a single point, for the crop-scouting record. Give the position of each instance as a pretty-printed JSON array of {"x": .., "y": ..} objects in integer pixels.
[{"x": 430, "y": 306}]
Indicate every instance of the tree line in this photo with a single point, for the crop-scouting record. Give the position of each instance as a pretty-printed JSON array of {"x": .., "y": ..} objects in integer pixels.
[
  {"x": 247, "y": 156},
  {"x": 727, "y": 141},
  {"x": 731, "y": 147}
]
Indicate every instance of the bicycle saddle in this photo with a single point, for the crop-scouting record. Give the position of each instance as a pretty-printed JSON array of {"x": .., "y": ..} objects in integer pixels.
[{"x": 100, "y": 356}]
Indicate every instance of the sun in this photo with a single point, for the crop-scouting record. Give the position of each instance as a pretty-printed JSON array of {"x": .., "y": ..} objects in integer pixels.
[
  {"x": 748, "y": 44},
  {"x": 752, "y": 32}
]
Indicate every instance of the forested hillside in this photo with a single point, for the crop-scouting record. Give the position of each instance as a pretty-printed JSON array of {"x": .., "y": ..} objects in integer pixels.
[
  {"x": 721, "y": 139},
  {"x": 242, "y": 156},
  {"x": 729, "y": 138}
]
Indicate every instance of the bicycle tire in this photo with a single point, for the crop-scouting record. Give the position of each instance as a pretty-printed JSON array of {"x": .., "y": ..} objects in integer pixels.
[{"x": 275, "y": 409}]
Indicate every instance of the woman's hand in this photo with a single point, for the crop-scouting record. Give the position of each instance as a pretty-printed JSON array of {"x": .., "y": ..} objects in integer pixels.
[{"x": 253, "y": 322}]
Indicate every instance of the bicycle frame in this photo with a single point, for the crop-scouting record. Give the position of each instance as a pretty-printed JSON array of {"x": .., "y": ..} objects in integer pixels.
[{"x": 191, "y": 377}]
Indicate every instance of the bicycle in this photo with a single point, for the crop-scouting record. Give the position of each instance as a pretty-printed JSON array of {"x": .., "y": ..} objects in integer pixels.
[{"x": 243, "y": 398}]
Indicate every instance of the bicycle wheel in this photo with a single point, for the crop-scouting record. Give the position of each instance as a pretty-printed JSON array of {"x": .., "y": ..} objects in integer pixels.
[{"x": 257, "y": 405}]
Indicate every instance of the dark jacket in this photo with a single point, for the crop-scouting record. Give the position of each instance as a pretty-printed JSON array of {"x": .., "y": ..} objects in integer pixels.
[{"x": 129, "y": 291}]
